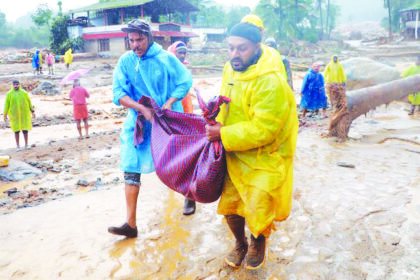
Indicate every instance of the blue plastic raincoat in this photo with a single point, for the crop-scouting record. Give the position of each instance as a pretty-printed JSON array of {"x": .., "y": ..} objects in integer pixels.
[
  {"x": 313, "y": 91},
  {"x": 157, "y": 74},
  {"x": 35, "y": 60}
]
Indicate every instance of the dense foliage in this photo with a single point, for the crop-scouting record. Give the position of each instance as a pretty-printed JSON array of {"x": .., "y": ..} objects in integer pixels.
[
  {"x": 13, "y": 36},
  {"x": 59, "y": 39},
  {"x": 309, "y": 20},
  {"x": 42, "y": 15}
]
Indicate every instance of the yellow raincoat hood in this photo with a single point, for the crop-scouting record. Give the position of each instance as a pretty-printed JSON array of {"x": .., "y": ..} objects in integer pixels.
[
  {"x": 259, "y": 135},
  {"x": 334, "y": 72}
]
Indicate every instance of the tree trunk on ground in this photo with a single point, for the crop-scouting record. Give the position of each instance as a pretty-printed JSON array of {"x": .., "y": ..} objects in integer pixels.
[{"x": 361, "y": 101}]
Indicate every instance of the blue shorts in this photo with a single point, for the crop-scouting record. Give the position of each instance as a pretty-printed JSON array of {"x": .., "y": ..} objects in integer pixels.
[{"x": 132, "y": 178}]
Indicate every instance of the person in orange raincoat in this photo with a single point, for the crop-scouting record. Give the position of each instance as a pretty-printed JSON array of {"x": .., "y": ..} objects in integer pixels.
[
  {"x": 179, "y": 49},
  {"x": 258, "y": 130}
]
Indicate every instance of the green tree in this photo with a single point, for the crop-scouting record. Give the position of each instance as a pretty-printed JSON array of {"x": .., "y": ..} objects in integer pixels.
[
  {"x": 288, "y": 19},
  {"x": 59, "y": 33},
  {"x": 321, "y": 29},
  {"x": 2, "y": 19},
  {"x": 42, "y": 15},
  {"x": 60, "y": 10},
  {"x": 235, "y": 14},
  {"x": 59, "y": 38}
]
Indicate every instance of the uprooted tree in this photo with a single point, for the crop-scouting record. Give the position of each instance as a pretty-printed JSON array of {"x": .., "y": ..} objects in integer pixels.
[{"x": 361, "y": 101}]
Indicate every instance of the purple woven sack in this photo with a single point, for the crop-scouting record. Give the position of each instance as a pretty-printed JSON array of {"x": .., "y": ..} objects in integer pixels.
[{"x": 184, "y": 159}]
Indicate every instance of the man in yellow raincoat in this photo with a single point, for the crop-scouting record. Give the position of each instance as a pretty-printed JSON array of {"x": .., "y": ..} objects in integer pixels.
[
  {"x": 413, "y": 98},
  {"x": 335, "y": 79},
  {"x": 68, "y": 57},
  {"x": 334, "y": 72},
  {"x": 256, "y": 20},
  {"x": 258, "y": 129},
  {"x": 19, "y": 108}
]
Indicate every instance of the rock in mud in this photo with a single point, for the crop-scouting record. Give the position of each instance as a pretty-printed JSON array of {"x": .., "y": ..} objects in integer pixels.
[
  {"x": 82, "y": 182},
  {"x": 47, "y": 88},
  {"x": 56, "y": 170},
  {"x": 11, "y": 191},
  {"x": 17, "y": 171},
  {"x": 345, "y": 164}
]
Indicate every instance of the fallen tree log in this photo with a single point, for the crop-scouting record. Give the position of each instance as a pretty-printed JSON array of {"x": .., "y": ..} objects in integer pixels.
[{"x": 361, "y": 101}]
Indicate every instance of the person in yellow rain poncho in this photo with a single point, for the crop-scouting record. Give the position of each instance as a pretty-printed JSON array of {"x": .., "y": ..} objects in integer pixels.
[
  {"x": 335, "y": 79},
  {"x": 256, "y": 20},
  {"x": 258, "y": 129},
  {"x": 413, "y": 98},
  {"x": 68, "y": 57},
  {"x": 334, "y": 72},
  {"x": 40, "y": 62},
  {"x": 18, "y": 107}
]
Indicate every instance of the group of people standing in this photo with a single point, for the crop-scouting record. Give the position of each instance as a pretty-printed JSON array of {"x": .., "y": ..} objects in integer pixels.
[
  {"x": 313, "y": 95},
  {"x": 18, "y": 108},
  {"x": 38, "y": 61},
  {"x": 19, "y": 111}
]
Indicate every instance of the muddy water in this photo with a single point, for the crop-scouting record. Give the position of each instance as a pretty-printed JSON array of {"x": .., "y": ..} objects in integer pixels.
[{"x": 346, "y": 223}]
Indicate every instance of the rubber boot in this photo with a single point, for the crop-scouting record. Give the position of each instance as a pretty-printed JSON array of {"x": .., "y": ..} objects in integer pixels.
[
  {"x": 413, "y": 108},
  {"x": 189, "y": 207},
  {"x": 256, "y": 254},
  {"x": 237, "y": 227}
]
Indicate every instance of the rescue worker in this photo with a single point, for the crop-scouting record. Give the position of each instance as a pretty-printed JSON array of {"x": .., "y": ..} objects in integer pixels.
[
  {"x": 258, "y": 129},
  {"x": 145, "y": 70}
]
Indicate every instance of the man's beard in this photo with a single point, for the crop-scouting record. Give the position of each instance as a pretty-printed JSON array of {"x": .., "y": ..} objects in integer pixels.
[{"x": 244, "y": 66}]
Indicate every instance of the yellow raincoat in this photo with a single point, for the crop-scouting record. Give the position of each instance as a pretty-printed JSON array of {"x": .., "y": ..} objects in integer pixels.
[
  {"x": 68, "y": 56},
  {"x": 40, "y": 59},
  {"x": 259, "y": 134},
  {"x": 413, "y": 70},
  {"x": 18, "y": 107},
  {"x": 334, "y": 73}
]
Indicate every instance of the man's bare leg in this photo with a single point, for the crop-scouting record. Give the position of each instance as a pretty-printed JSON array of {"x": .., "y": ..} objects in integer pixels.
[
  {"x": 129, "y": 229},
  {"x": 17, "y": 139},
  {"x": 79, "y": 128},
  {"x": 85, "y": 121},
  {"x": 131, "y": 195},
  {"x": 25, "y": 136}
]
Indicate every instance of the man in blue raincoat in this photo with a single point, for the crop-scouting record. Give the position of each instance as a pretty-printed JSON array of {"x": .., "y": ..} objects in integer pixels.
[
  {"x": 36, "y": 63},
  {"x": 145, "y": 70}
]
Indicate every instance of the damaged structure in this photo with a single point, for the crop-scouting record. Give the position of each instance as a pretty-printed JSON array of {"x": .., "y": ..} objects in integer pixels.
[
  {"x": 410, "y": 22},
  {"x": 100, "y": 24}
]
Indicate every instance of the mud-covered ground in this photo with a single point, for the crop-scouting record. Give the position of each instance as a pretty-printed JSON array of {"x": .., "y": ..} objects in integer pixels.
[{"x": 356, "y": 205}]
